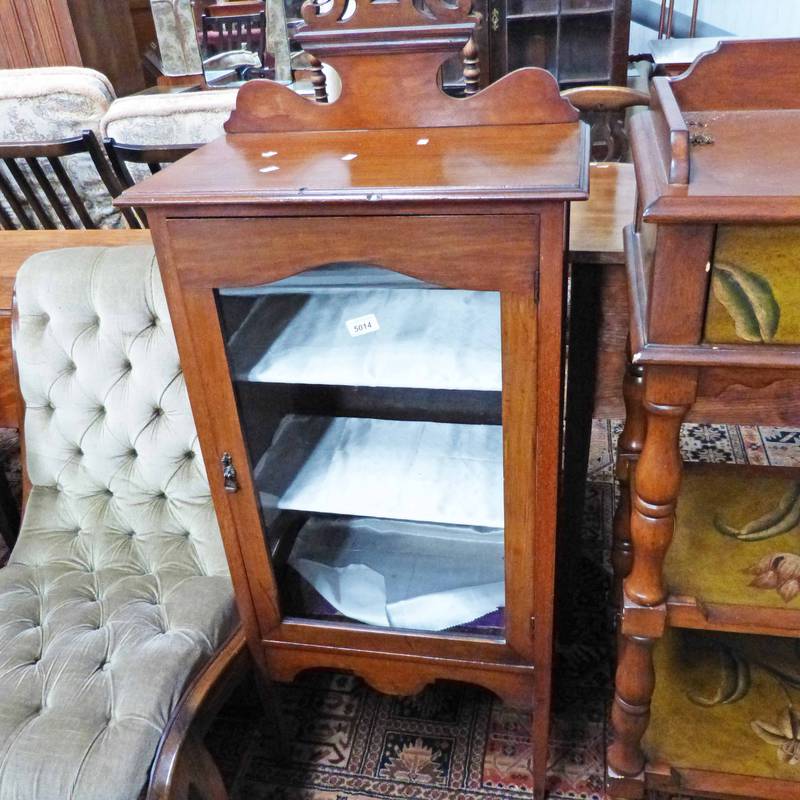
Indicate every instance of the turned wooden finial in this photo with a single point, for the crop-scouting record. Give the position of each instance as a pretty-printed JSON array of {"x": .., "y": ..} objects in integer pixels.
[
  {"x": 472, "y": 67},
  {"x": 318, "y": 80}
]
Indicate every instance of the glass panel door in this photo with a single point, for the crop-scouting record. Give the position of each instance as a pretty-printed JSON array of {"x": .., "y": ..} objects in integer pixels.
[{"x": 371, "y": 408}]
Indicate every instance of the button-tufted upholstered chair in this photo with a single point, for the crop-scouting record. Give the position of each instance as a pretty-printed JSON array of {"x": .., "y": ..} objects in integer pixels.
[{"x": 117, "y": 593}]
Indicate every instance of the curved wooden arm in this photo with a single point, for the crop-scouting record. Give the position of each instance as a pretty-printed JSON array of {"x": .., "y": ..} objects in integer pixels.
[
  {"x": 605, "y": 98},
  {"x": 181, "y": 760}
]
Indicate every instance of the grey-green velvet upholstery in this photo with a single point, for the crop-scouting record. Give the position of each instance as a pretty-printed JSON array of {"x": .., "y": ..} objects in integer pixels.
[{"x": 118, "y": 590}]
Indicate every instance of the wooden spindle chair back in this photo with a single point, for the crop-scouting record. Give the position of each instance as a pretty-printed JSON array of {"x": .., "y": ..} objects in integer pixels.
[
  {"x": 234, "y": 30},
  {"x": 153, "y": 157},
  {"x": 38, "y": 189}
]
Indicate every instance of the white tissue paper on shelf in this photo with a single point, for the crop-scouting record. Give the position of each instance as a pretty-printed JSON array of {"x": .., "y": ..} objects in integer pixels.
[
  {"x": 389, "y": 573},
  {"x": 419, "y": 338},
  {"x": 428, "y": 471}
]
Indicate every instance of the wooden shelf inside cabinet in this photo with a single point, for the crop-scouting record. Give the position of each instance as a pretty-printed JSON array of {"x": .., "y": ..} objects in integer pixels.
[
  {"x": 567, "y": 13},
  {"x": 732, "y": 563},
  {"x": 367, "y": 297},
  {"x": 724, "y": 716}
]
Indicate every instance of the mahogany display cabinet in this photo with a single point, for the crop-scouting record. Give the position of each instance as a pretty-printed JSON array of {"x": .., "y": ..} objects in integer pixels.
[
  {"x": 707, "y": 694},
  {"x": 368, "y": 301}
]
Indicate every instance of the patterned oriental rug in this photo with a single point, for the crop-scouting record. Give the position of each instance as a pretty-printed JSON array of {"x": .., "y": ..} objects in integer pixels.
[{"x": 454, "y": 742}]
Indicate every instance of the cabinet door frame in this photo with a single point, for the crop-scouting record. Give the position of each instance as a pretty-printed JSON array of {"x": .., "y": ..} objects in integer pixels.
[{"x": 500, "y": 252}]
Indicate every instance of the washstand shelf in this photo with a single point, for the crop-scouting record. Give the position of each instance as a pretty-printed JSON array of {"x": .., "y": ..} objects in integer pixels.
[{"x": 708, "y": 613}]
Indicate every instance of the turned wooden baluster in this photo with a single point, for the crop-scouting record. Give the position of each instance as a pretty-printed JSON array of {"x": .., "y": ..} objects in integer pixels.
[
  {"x": 668, "y": 395},
  {"x": 655, "y": 482},
  {"x": 472, "y": 67},
  {"x": 628, "y": 449},
  {"x": 630, "y": 712},
  {"x": 318, "y": 80}
]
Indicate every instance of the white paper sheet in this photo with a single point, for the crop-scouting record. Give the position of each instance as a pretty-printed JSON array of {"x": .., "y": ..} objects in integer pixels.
[
  {"x": 426, "y": 471},
  {"x": 388, "y": 573},
  {"x": 423, "y": 338}
]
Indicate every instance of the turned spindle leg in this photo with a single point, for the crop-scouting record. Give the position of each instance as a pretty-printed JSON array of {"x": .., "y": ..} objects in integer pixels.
[
  {"x": 472, "y": 67},
  {"x": 628, "y": 449},
  {"x": 630, "y": 711},
  {"x": 318, "y": 80},
  {"x": 667, "y": 394},
  {"x": 656, "y": 482}
]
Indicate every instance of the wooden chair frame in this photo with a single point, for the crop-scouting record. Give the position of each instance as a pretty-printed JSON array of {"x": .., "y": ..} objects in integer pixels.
[
  {"x": 235, "y": 29},
  {"x": 30, "y": 153},
  {"x": 183, "y": 768},
  {"x": 120, "y": 155}
]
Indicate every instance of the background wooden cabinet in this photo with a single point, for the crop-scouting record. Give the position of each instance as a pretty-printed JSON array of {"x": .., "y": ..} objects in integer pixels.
[{"x": 580, "y": 41}]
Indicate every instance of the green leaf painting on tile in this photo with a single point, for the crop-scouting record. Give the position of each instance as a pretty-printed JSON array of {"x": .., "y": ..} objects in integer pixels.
[
  {"x": 749, "y": 299},
  {"x": 734, "y": 683},
  {"x": 779, "y": 520},
  {"x": 735, "y": 667},
  {"x": 775, "y": 571}
]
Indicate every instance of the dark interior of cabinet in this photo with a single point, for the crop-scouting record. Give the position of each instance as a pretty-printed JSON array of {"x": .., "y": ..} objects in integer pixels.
[
  {"x": 533, "y": 43},
  {"x": 583, "y": 49},
  {"x": 579, "y": 41}
]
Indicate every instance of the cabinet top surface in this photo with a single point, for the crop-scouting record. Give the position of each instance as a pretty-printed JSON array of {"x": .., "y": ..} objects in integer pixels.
[
  {"x": 720, "y": 142},
  {"x": 744, "y": 168},
  {"x": 751, "y": 154},
  {"x": 510, "y": 162}
]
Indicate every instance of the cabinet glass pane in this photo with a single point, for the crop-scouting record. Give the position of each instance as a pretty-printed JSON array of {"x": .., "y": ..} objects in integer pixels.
[{"x": 371, "y": 408}]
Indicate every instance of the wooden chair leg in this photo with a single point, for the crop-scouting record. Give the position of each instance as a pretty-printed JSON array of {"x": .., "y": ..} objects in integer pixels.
[{"x": 205, "y": 781}]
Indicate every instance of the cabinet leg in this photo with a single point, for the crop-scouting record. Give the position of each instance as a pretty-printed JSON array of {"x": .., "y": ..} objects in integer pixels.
[
  {"x": 540, "y": 734},
  {"x": 628, "y": 450},
  {"x": 667, "y": 396},
  {"x": 656, "y": 482},
  {"x": 630, "y": 711}
]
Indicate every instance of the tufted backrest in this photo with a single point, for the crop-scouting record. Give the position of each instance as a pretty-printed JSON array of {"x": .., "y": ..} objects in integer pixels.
[
  {"x": 46, "y": 104},
  {"x": 109, "y": 434}
]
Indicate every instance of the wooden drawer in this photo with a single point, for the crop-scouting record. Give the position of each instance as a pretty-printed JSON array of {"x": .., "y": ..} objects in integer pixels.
[{"x": 442, "y": 249}]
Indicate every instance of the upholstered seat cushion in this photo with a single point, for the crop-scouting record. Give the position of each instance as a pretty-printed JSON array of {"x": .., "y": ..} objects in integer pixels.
[
  {"x": 118, "y": 589},
  {"x": 169, "y": 119}
]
